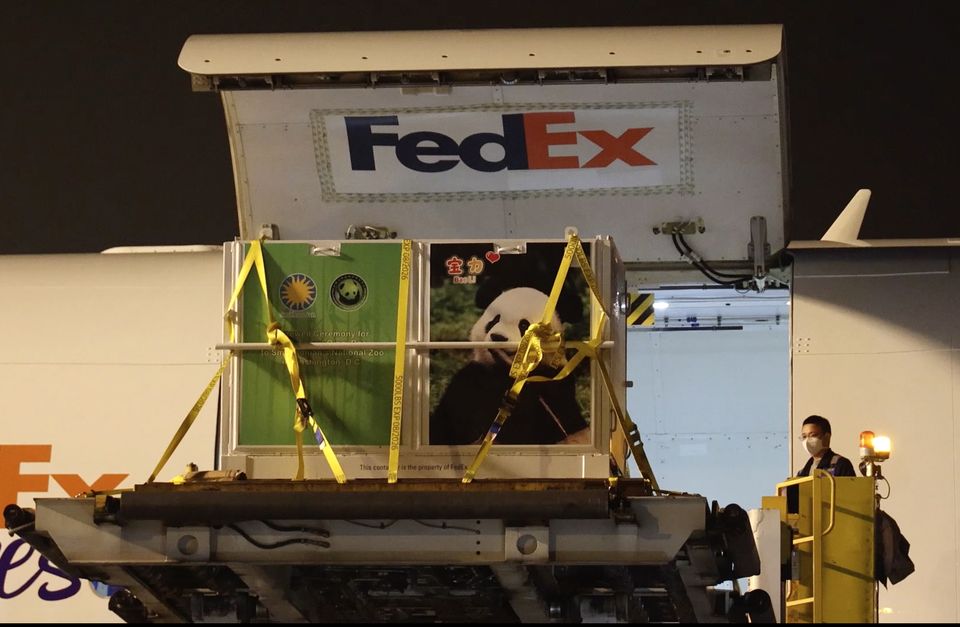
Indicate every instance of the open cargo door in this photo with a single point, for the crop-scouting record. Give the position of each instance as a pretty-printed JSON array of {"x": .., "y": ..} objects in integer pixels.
[{"x": 506, "y": 133}]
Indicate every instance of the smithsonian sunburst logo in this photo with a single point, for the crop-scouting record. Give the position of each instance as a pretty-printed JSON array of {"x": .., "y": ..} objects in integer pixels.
[{"x": 298, "y": 292}]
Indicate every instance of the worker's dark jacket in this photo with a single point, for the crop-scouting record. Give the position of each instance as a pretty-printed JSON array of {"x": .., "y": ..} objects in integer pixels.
[
  {"x": 839, "y": 467},
  {"x": 892, "y": 551}
]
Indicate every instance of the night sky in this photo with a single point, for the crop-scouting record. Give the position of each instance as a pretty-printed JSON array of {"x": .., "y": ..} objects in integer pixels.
[{"x": 102, "y": 142}]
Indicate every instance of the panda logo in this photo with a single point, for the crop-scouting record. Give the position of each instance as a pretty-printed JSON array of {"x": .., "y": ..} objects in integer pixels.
[
  {"x": 348, "y": 292},
  {"x": 545, "y": 412}
]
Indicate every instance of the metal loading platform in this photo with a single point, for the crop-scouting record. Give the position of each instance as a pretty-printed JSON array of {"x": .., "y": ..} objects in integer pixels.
[{"x": 428, "y": 550}]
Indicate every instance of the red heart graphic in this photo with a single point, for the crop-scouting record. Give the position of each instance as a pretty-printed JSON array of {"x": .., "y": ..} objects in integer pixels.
[{"x": 492, "y": 257}]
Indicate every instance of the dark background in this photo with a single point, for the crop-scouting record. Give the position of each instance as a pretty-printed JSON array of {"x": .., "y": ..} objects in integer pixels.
[{"x": 102, "y": 143}]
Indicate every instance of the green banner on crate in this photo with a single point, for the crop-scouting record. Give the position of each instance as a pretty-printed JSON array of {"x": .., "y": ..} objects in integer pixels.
[{"x": 350, "y": 297}]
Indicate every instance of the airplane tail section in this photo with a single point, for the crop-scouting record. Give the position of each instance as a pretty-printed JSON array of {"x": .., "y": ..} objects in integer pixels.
[{"x": 846, "y": 228}]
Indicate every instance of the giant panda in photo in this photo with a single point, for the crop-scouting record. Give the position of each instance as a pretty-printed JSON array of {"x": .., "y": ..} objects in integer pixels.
[{"x": 545, "y": 413}]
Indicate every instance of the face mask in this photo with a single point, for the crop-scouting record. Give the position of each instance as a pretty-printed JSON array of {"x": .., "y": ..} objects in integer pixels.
[{"x": 813, "y": 445}]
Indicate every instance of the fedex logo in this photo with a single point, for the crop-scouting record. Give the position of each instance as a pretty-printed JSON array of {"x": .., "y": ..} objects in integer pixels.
[
  {"x": 13, "y": 481},
  {"x": 524, "y": 140},
  {"x": 481, "y": 152},
  {"x": 22, "y": 570}
]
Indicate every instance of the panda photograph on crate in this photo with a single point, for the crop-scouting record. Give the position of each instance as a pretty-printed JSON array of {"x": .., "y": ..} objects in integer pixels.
[{"x": 478, "y": 294}]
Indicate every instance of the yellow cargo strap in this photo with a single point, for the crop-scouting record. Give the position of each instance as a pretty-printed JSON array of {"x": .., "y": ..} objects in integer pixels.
[
  {"x": 189, "y": 419},
  {"x": 629, "y": 427},
  {"x": 630, "y": 430},
  {"x": 527, "y": 358},
  {"x": 303, "y": 416},
  {"x": 254, "y": 256},
  {"x": 399, "y": 362},
  {"x": 531, "y": 356},
  {"x": 276, "y": 337},
  {"x": 589, "y": 349}
]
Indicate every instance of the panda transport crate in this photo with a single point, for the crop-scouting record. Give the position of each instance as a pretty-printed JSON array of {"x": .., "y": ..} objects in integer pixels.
[{"x": 469, "y": 303}]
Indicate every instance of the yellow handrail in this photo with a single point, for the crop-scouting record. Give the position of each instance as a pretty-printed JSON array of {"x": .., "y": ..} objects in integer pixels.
[
  {"x": 795, "y": 481},
  {"x": 833, "y": 494},
  {"x": 833, "y": 502},
  {"x": 815, "y": 537}
]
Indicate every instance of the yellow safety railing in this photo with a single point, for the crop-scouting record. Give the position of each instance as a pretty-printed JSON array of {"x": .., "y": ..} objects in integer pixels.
[{"x": 815, "y": 538}]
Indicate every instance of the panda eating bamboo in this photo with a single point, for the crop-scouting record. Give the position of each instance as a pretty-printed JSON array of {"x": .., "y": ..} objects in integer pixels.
[{"x": 545, "y": 413}]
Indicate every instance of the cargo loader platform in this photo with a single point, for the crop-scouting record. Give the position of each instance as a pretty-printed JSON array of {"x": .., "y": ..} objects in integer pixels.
[{"x": 427, "y": 550}]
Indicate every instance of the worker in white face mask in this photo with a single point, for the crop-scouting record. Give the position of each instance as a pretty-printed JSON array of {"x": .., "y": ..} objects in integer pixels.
[{"x": 815, "y": 438}]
